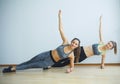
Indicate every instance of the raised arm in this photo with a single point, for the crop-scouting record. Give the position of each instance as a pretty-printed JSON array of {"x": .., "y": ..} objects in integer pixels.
[
  {"x": 65, "y": 41},
  {"x": 101, "y": 41},
  {"x": 100, "y": 26}
]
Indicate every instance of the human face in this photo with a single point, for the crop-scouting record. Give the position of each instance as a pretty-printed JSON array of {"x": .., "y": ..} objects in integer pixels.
[
  {"x": 74, "y": 44},
  {"x": 109, "y": 45}
]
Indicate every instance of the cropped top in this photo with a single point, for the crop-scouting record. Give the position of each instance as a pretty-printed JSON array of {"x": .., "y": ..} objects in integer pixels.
[
  {"x": 61, "y": 53},
  {"x": 96, "y": 49}
]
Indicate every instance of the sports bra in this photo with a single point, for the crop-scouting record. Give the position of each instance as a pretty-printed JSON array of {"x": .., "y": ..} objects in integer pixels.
[
  {"x": 61, "y": 53},
  {"x": 96, "y": 49}
]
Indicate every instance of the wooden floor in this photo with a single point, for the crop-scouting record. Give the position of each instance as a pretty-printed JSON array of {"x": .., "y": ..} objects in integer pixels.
[{"x": 81, "y": 75}]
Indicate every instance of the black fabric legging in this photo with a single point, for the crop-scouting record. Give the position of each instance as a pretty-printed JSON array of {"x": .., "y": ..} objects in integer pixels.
[{"x": 62, "y": 63}]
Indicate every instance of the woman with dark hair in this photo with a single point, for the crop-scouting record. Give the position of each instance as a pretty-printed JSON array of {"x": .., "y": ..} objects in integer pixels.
[
  {"x": 49, "y": 58},
  {"x": 91, "y": 50}
]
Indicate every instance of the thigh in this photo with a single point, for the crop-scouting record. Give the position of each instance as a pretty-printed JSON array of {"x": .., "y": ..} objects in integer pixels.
[{"x": 40, "y": 57}]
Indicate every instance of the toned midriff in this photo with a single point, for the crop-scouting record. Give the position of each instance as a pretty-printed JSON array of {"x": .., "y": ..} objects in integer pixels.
[
  {"x": 55, "y": 55},
  {"x": 88, "y": 51}
]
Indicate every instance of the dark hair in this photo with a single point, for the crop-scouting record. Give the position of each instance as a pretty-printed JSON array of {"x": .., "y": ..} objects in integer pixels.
[
  {"x": 77, "y": 50},
  {"x": 114, "y": 46}
]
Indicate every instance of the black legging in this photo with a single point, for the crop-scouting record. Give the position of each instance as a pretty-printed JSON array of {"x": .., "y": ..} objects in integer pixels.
[{"x": 62, "y": 63}]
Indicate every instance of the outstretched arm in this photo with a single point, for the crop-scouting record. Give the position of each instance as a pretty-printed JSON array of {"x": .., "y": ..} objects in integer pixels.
[
  {"x": 100, "y": 26},
  {"x": 65, "y": 41},
  {"x": 101, "y": 41}
]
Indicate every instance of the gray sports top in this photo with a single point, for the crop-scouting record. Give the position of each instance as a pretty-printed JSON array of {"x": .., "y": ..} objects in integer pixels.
[{"x": 61, "y": 53}]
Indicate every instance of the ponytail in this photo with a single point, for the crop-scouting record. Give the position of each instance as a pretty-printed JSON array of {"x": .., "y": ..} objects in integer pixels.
[{"x": 114, "y": 46}]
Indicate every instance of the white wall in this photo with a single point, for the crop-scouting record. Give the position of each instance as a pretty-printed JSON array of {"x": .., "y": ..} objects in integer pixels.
[{"x": 28, "y": 27}]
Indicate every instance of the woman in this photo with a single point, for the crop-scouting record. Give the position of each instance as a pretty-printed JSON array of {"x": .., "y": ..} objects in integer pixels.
[
  {"x": 49, "y": 58},
  {"x": 88, "y": 51}
]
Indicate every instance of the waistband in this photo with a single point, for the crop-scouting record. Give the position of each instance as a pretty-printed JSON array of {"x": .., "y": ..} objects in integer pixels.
[{"x": 52, "y": 56}]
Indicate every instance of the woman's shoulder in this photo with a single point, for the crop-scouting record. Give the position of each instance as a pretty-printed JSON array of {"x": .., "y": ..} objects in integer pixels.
[
  {"x": 65, "y": 44},
  {"x": 62, "y": 45}
]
